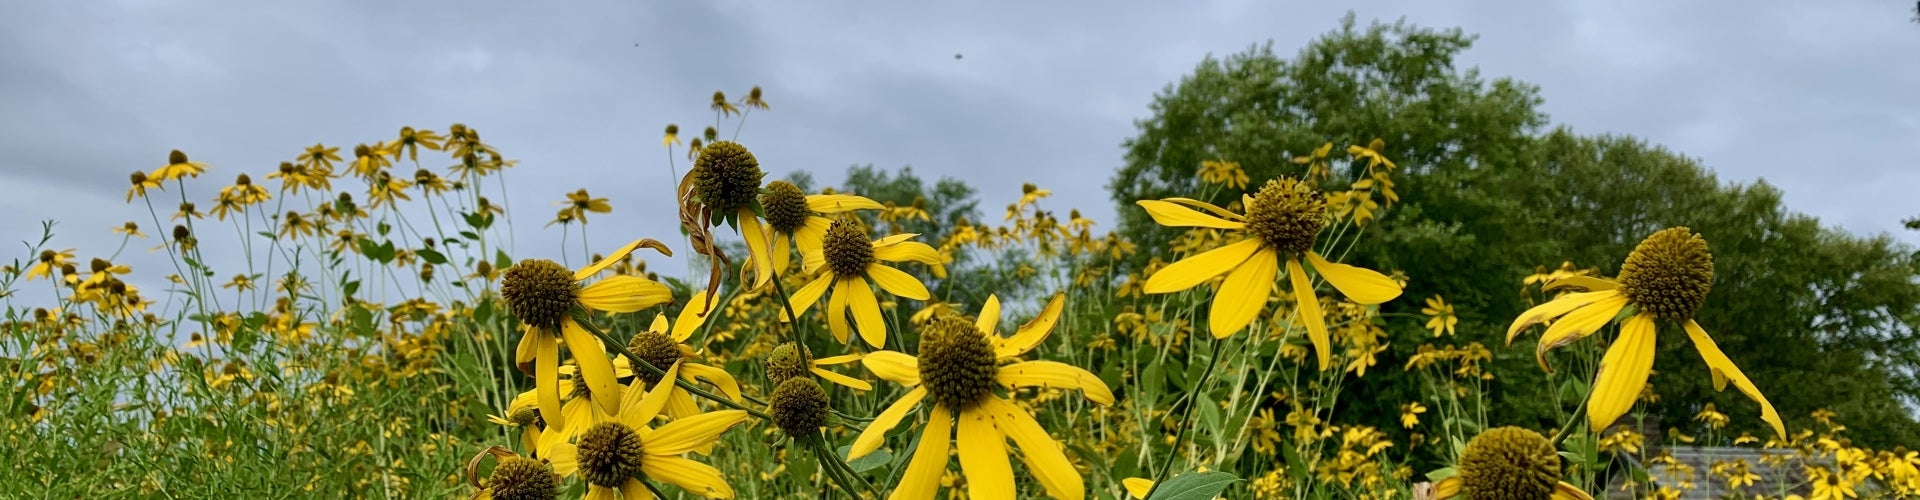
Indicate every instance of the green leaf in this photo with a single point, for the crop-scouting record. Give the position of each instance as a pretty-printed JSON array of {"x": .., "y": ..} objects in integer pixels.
[
  {"x": 1194, "y": 486},
  {"x": 479, "y": 220},
  {"x": 871, "y": 461},
  {"x": 501, "y": 261},
  {"x": 431, "y": 256}
]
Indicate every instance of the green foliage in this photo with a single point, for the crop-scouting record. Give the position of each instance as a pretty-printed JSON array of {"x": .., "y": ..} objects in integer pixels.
[{"x": 1488, "y": 196}]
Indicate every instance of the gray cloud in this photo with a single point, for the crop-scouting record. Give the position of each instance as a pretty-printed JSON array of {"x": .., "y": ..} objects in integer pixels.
[{"x": 1814, "y": 98}]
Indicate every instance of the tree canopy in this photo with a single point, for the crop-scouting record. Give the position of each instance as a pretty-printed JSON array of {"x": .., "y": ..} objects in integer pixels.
[{"x": 1489, "y": 193}]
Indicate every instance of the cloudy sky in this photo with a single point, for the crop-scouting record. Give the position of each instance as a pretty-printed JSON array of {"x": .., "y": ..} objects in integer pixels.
[{"x": 1817, "y": 98}]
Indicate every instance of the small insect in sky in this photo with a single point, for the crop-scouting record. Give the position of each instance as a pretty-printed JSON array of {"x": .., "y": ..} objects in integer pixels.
[{"x": 956, "y": 56}]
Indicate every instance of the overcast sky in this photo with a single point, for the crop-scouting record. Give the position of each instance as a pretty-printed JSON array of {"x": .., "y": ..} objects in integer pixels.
[{"x": 1817, "y": 98}]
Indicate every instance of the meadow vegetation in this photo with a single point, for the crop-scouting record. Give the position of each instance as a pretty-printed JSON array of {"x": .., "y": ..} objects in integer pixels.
[{"x": 1360, "y": 272}]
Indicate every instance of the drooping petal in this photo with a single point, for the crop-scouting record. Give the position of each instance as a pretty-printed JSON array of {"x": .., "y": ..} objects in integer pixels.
[
  {"x": 837, "y": 309},
  {"x": 686, "y": 434},
  {"x": 782, "y": 252},
  {"x": 1555, "y": 308},
  {"x": 1590, "y": 283},
  {"x": 893, "y": 239},
  {"x": 1244, "y": 293},
  {"x": 838, "y": 360},
  {"x": 1031, "y": 334},
  {"x": 1137, "y": 486},
  {"x": 876, "y": 431},
  {"x": 1175, "y": 215},
  {"x": 620, "y": 255},
  {"x": 1724, "y": 371},
  {"x": 1055, "y": 375},
  {"x": 1364, "y": 286},
  {"x": 546, "y": 380},
  {"x": 659, "y": 324},
  {"x": 897, "y": 282},
  {"x": 1564, "y": 491},
  {"x": 866, "y": 312},
  {"x": 989, "y": 316},
  {"x": 633, "y": 490},
  {"x": 636, "y": 412},
  {"x": 1447, "y": 488},
  {"x": 1577, "y": 325},
  {"x": 811, "y": 239},
  {"x": 1623, "y": 372},
  {"x": 598, "y": 492},
  {"x": 528, "y": 349},
  {"x": 718, "y": 377},
  {"x": 595, "y": 369},
  {"x": 757, "y": 247},
  {"x": 624, "y": 294},
  {"x": 835, "y": 377},
  {"x": 1212, "y": 208},
  {"x": 1044, "y": 458},
  {"x": 908, "y": 251},
  {"x": 695, "y": 477},
  {"x": 564, "y": 457},
  {"x": 1308, "y": 307},
  {"x": 691, "y": 317},
  {"x": 983, "y": 456},
  {"x": 1192, "y": 271},
  {"x": 893, "y": 366},
  {"x": 840, "y": 203},
  {"x": 679, "y": 403},
  {"x": 922, "y": 478},
  {"x": 808, "y": 294}
]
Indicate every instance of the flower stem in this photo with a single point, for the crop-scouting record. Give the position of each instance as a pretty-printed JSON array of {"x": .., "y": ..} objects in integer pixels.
[{"x": 1186, "y": 417}]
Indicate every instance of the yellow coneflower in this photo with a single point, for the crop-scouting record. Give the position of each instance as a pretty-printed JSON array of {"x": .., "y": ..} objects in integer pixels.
[
  {"x": 411, "y": 141},
  {"x": 721, "y": 106},
  {"x": 178, "y": 167},
  {"x": 295, "y": 177},
  {"x": 319, "y": 158},
  {"x": 787, "y": 361},
  {"x": 753, "y": 99},
  {"x": 662, "y": 347},
  {"x": 1440, "y": 317},
  {"x": 796, "y": 221},
  {"x": 580, "y": 203},
  {"x": 513, "y": 478},
  {"x": 48, "y": 262},
  {"x": 141, "y": 183},
  {"x": 672, "y": 136},
  {"x": 1665, "y": 278},
  {"x": 368, "y": 160},
  {"x": 542, "y": 294},
  {"x": 430, "y": 183},
  {"x": 959, "y": 364},
  {"x": 243, "y": 193},
  {"x": 848, "y": 260},
  {"x": 1508, "y": 463},
  {"x": 130, "y": 229},
  {"x": 1280, "y": 225},
  {"x": 611, "y": 456},
  {"x": 383, "y": 188},
  {"x": 524, "y": 412},
  {"x": 726, "y": 177}
]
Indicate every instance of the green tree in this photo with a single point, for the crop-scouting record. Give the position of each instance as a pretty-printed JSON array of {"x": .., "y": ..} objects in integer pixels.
[{"x": 1487, "y": 194}]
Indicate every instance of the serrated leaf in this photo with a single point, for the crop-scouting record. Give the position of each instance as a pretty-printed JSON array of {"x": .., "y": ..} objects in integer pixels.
[{"x": 1194, "y": 486}]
